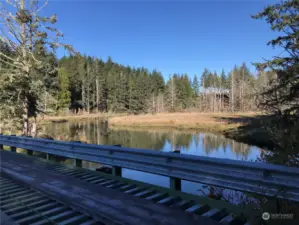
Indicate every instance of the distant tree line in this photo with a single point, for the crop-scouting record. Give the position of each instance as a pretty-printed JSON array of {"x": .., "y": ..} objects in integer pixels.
[{"x": 87, "y": 84}]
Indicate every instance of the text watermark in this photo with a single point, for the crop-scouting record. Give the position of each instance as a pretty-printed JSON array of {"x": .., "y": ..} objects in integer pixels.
[{"x": 274, "y": 216}]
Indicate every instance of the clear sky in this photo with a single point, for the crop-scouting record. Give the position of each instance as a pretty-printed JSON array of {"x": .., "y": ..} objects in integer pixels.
[{"x": 171, "y": 36}]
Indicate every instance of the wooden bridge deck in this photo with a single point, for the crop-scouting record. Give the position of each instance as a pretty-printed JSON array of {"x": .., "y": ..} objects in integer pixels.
[{"x": 102, "y": 204}]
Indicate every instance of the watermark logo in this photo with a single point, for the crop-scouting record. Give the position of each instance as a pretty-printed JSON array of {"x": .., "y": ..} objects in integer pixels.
[{"x": 267, "y": 216}]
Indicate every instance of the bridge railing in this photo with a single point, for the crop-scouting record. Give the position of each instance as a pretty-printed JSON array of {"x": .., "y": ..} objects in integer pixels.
[{"x": 265, "y": 179}]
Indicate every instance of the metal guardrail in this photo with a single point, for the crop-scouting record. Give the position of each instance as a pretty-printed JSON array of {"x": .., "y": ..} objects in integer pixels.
[{"x": 265, "y": 179}]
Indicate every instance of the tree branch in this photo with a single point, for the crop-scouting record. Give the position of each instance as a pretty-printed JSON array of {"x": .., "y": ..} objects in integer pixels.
[
  {"x": 44, "y": 5},
  {"x": 10, "y": 64},
  {"x": 7, "y": 56},
  {"x": 10, "y": 3}
]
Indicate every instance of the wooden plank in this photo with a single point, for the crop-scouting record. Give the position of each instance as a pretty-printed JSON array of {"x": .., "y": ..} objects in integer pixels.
[
  {"x": 6, "y": 220},
  {"x": 94, "y": 199}
]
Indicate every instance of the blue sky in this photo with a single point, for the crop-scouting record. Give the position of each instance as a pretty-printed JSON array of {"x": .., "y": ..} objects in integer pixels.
[{"x": 171, "y": 36}]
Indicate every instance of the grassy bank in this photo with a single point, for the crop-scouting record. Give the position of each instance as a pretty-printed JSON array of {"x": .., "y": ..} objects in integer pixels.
[
  {"x": 245, "y": 127},
  {"x": 214, "y": 122}
]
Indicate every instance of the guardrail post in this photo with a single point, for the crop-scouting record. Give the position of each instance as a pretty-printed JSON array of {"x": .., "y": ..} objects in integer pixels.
[
  {"x": 176, "y": 183},
  {"x": 29, "y": 152},
  {"x": 1, "y": 146},
  {"x": 116, "y": 170},
  {"x": 13, "y": 148},
  {"x": 78, "y": 162}
]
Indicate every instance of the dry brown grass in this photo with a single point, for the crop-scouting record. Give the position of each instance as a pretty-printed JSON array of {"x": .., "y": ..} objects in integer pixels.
[{"x": 217, "y": 122}]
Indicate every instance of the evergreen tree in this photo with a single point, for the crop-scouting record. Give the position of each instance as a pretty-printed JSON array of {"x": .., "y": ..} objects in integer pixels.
[
  {"x": 64, "y": 95},
  {"x": 24, "y": 31},
  {"x": 195, "y": 86},
  {"x": 204, "y": 78},
  {"x": 283, "y": 95},
  {"x": 223, "y": 81}
]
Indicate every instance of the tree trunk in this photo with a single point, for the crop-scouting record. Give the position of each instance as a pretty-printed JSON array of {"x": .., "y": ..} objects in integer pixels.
[
  {"x": 25, "y": 118},
  {"x": 153, "y": 107},
  {"x": 172, "y": 94},
  {"x": 158, "y": 103},
  {"x": 220, "y": 90},
  {"x": 83, "y": 95},
  {"x": 215, "y": 96},
  {"x": 33, "y": 130},
  {"x": 203, "y": 96},
  {"x": 240, "y": 96},
  {"x": 88, "y": 98},
  {"x": 45, "y": 101},
  {"x": 242, "y": 100},
  {"x": 162, "y": 105},
  {"x": 97, "y": 91},
  {"x": 25, "y": 102},
  {"x": 88, "y": 89},
  {"x": 232, "y": 92}
]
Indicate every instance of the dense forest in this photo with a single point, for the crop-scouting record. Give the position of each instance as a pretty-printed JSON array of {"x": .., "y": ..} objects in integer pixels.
[
  {"x": 88, "y": 84},
  {"x": 91, "y": 85}
]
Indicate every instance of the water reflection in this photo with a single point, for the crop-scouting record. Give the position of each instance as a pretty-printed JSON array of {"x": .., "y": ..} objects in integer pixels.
[{"x": 204, "y": 144}]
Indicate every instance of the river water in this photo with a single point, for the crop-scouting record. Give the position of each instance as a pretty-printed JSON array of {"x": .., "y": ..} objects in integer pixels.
[{"x": 96, "y": 131}]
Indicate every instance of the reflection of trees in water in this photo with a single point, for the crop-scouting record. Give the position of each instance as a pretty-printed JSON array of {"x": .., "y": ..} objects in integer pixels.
[
  {"x": 153, "y": 140},
  {"x": 196, "y": 140},
  {"x": 179, "y": 140},
  {"x": 211, "y": 142},
  {"x": 97, "y": 132}
]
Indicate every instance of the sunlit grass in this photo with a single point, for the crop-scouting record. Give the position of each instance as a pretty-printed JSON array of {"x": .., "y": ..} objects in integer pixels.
[{"x": 216, "y": 122}]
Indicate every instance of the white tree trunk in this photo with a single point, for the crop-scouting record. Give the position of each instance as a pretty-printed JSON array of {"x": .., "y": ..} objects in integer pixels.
[
  {"x": 97, "y": 91},
  {"x": 232, "y": 92}
]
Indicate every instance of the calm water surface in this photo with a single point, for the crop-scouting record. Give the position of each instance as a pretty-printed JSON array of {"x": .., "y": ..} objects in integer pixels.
[{"x": 195, "y": 143}]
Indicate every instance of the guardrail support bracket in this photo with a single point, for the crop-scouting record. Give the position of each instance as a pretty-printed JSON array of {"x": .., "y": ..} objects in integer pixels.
[
  {"x": 13, "y": 149},
  {"x": 78, "y": 163},
  {"x": 175, "y": 184},
  {"x": 29, "y": 152},
  {"x": 116, "y": 171}
]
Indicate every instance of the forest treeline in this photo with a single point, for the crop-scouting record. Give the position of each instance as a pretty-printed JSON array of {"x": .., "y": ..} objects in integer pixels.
[
  {"x": 88, "y": 84},
  {"x": 78, "y": 83},
  {"x": 91, "y": 84}
]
